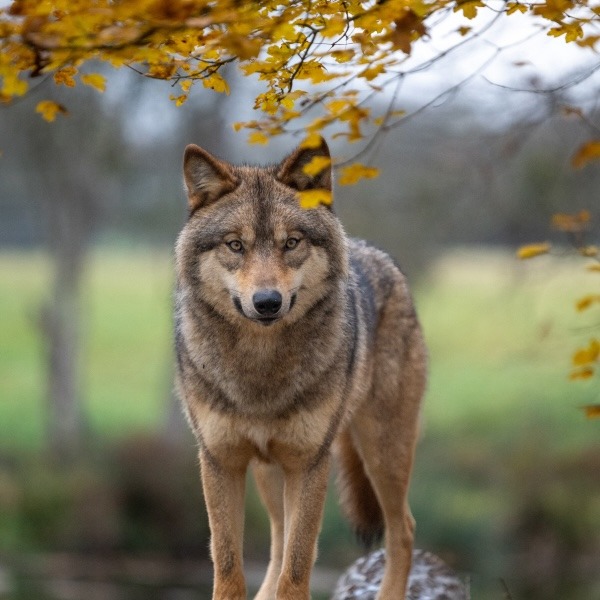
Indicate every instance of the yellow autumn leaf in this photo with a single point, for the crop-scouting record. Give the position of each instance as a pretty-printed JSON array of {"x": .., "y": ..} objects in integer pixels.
[
  {"x": 469, "y": 8},
  {"x": 408, "y": 27},
  {"x": 585, "y": 356},
  {"x": 354, "y": 173},
  {"x": 316, "y": 165},
  {"x": 592, "y": 411},
  {"x": 258, "y": 137},
  {"x": 586, "y": 153},
  {"x": 217, "y": 83},
  {"x": 267, "y": 102},
  {"x": 49, "y": 109},
  {"x": 587, "y": 301},
  {"x": 179, "y": 100},
  {"x": 533, "y": 250},
  {"x": 11, "y": 84},
  {"x": 342, "y": 56},
  {"x": 312, "y": 140},
  {"x": 65, "y": 76},
  {"x": 594, "y": 268},
  {"x": 589, "y": 251},
  {"x": 571, "y": 31},
  {"x": 242, "y": 46},
  {"x": 338, "y": 106},
  {"x": 334, "y": 27},
  {"x": 512, "y": 7},
  {"x": 284, "y": 31},
  {"x": 584, "y": 373},
  {"x": 288, "y": 115},
  {"x": 314, "y": 198},
  {"x": 589, "y": 41},
  {"x": 373, "y": 71},
  {"x": 316, "y": 72},
  {"x": 290, "y": 98},
  {"x": 94, "y": 80}
]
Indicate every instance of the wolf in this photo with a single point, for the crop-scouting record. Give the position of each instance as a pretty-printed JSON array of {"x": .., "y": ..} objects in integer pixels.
[{"x": 294, "y": 343}]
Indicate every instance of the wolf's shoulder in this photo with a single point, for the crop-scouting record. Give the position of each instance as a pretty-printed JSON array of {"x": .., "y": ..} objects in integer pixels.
[
  {"x": 377, "y": 282},
  {"x": 375, "y": 273},
  {"x": 366, "y": 258}
]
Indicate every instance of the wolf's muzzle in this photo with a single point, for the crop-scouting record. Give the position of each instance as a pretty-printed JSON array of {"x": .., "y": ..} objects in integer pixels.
[{"x": 267, "y": 303}]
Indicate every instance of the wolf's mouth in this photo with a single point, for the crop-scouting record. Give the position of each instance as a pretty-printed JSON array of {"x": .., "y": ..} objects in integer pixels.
[
  {"x": 264, "y": 319},
  {"x": 267, "y": 320}
]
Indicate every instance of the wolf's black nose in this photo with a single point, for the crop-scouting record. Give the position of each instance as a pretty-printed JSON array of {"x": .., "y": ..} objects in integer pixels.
[{"x": 267, "y": 302}]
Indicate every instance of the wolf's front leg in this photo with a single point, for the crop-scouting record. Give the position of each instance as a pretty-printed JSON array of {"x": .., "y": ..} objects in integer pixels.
[
  {"x": 224, "y": 485},
  {"x": 269, "y": 481},
  {"x": 304, "y": 497}
]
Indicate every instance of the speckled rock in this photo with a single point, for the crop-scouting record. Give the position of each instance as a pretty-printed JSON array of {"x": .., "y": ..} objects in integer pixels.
[{"x": 430, "y": 579}]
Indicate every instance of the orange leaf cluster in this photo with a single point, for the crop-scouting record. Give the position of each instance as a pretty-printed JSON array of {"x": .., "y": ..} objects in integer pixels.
[
  {"x": 587, "y": 301},
  {"x": 571, "y": 223},
  {"x": 588, "y": 152},
  {"x": 592, "y": 411},
  {"x": 585, "y": 360}
]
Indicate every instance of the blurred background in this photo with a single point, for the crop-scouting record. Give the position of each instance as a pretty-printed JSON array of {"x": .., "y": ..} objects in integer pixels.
[{"x": 99, "y": 488}]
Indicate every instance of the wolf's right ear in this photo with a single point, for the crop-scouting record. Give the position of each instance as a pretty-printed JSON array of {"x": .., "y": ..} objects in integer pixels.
[
  {"x": 291, "y": 170},
  {"x": 206, "y": 177}
]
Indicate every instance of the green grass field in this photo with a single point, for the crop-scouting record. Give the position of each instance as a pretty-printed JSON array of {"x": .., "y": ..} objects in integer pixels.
[
  {"x": 500, "y": 335},
  {"x": 503, "y": 433},
  {"x": 126, "y": 346}
]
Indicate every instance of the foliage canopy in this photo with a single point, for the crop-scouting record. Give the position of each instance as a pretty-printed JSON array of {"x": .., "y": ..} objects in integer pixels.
[{"x": 318, "y": 61}]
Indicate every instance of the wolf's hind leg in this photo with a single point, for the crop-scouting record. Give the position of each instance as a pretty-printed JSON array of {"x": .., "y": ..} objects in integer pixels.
[
  {"x": 388, "y": 468},
  {"x": 269, "y": 481},
  {"x": 385, "y": 431}
]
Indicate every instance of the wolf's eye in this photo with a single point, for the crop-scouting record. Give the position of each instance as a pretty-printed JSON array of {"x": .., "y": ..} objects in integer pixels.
[
  {"x": 235, "y": 246},
  {"x": 291, "y": 243}
]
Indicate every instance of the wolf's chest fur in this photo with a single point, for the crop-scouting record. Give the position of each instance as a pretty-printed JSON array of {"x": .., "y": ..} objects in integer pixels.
[{"x": 265, "y": 373}]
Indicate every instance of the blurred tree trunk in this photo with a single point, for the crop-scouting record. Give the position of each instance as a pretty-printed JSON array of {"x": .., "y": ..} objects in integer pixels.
[
  {"x": 69, "y": 215},
  {"x": 70, "y": 169},
  {"x": 61, "y": 331}
]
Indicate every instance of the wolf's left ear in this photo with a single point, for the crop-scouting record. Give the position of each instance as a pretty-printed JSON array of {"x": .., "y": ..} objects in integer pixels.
[
  {"x": 291, "y": 170},
  {"x": 206, "y": 178}
]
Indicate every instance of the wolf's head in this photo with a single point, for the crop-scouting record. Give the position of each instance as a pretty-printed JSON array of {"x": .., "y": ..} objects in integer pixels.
[{"x": 249, "y": 250}]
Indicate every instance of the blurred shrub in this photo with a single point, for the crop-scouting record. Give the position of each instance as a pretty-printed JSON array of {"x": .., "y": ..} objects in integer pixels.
[
  {"x": 160, "y": 496},
  {"x": 523, "y": 512},
  {"x": 555, "y": 522},
  {"x": 143, "y": 495}
]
